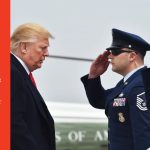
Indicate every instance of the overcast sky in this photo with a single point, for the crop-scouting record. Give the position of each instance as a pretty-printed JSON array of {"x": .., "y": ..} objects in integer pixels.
[{"x": 82, "y": 28}]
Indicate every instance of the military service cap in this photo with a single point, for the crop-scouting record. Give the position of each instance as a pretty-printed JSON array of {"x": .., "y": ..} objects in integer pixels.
[{"x": 122, "y": 39}]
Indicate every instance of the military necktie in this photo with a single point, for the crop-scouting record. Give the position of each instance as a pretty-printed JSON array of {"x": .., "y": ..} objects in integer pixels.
[{"x": 32, "y": 79}]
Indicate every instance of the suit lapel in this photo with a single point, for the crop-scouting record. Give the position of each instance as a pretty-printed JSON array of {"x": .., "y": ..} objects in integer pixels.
[
  {"x": 39, "y": 101},
  {"x": 116, "y": 91}
]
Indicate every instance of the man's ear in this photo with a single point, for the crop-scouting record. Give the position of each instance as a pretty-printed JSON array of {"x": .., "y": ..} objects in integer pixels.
[
  {"x": 23, "y": 47},
  {"x": 133, "y": 56}
]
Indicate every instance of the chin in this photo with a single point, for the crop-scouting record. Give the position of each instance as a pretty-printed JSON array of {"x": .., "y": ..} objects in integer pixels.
[
  {"x": 114, "y": 70},
  {"x": 39, "y": 65}
]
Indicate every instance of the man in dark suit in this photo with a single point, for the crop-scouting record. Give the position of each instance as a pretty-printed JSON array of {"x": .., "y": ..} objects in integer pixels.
[
  {"x": 32, "y": 126},
  {"x": 125, "y": 105},
  {"x": 146, "y": 79}
]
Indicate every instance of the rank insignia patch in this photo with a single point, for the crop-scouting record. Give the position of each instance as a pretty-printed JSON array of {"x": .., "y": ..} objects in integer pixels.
[{"x": 141, "y": 102}]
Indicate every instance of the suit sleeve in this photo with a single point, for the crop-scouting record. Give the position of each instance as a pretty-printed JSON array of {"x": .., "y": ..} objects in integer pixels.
[
  {"x": 94, "y": 91},
  {"x": 140, "y": 118},
  {"x": 146, "y": 80},
  {"x": 21, "y": 138}
]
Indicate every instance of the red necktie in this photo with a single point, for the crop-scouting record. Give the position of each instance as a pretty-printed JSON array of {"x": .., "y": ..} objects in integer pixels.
[{"x": 32, "y": 79}]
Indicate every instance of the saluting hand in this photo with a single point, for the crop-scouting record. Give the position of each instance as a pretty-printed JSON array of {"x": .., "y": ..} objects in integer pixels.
[{"x": 99, "y": 65}]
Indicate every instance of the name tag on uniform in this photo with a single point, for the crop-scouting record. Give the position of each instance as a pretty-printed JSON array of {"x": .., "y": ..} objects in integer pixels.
[{"x": 120, "y": 101}]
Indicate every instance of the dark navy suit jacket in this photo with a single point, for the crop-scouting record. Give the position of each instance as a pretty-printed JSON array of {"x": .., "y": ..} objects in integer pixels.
[
  {"x": 146, "y": 79},
  {"x": 32, "y": 126},
  {"x": 126, "y": 109}
]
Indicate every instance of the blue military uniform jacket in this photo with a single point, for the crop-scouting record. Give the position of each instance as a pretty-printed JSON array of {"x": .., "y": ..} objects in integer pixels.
[{"x": 125, "y": 107}]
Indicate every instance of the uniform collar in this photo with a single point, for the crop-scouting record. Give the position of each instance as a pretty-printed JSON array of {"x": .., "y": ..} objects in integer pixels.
[{"x": 132, "y": 72}]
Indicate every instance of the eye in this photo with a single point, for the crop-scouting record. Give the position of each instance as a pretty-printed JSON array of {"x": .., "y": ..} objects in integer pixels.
[
  {"x": 116, "y": 52},
  {"x": 44, "y": 48}
]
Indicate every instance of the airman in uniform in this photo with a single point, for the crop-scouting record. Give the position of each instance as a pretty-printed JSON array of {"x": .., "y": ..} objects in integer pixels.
[{"x": 125, "y": 104}]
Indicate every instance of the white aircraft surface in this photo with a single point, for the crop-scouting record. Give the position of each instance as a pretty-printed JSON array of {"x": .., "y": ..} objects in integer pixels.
[{"x": 79, "y": 126}]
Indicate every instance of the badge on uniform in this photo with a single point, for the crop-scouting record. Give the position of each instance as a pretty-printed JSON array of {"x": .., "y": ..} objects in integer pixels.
[
  {"x": 120, "y": 101},
  {"x": 121, "y": 94},
  {"x": 121, "y": 117},
  {"x": 141, "y": 101}
]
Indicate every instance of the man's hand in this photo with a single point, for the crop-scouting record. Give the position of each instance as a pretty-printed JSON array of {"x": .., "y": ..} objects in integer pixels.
[{"x": 100, "y": 65}]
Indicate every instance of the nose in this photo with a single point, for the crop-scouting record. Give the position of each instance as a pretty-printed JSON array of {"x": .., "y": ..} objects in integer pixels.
[{"x": 46, "y": 53}]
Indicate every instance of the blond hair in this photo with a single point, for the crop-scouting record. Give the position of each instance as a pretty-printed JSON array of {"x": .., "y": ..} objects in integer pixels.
[{"x": 28, "y": 32}]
